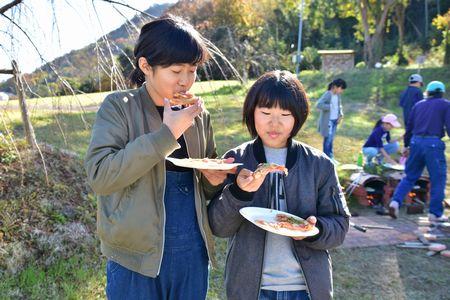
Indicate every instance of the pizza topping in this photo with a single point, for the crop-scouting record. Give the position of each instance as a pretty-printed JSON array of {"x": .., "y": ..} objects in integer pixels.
[{"x": 265, "y": 168}]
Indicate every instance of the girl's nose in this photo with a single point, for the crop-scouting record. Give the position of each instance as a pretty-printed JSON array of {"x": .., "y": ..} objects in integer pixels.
[
  {"x": 184, "y": 79},
  {"x": 275, "y": 119}
]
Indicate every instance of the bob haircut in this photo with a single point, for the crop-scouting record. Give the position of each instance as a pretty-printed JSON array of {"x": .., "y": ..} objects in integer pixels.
[
  {"x": 166, "y": 41},
  {"x": 338, "y": 83},
  {"x": 272, "y": 89}
]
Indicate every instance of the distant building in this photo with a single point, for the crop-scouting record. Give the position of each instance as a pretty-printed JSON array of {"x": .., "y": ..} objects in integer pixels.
[
  {"x": 335, "y": 61},
  {"x": 4, "y": 96}
]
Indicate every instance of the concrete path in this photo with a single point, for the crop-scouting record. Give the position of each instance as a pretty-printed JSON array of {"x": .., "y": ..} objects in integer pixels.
[{"x": 403, "y": 231}]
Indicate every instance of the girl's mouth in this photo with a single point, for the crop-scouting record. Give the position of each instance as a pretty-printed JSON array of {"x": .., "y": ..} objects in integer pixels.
[{"x": 273, "y": 134}]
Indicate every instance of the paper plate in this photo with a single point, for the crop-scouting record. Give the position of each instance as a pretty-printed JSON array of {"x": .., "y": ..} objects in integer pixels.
[
  {"x": 254, "y": 214},
  {"x": 202, "y": 163},
  {"x": 397, "y": 167},
  {"x": 350, "y": 167}
]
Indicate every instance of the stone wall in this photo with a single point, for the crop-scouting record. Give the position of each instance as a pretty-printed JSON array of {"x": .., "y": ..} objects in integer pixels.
[{"x": 337, "y": 62}]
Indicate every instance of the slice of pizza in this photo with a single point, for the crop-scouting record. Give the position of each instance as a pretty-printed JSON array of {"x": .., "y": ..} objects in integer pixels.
[
  {"x": 265, "y": 168},
  {"x": 183, "y": 99},
  {"x": 293, "y": 223}
]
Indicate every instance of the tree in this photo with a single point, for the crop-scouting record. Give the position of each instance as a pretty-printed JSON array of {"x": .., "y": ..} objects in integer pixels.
[
  {"x": 399, "y": 20},
  {"x": 442, "y": 23},
  {"x": 373, "y": 17}
]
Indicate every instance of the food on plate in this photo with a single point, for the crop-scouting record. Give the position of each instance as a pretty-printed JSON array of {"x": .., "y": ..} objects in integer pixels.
[
  {"x": 287, "y": 222},
  {"x": 204, "y": 163},
  {"x": 183, "y": 99},
  {"x": 208, "y": 160},
  {"x": 265, "y": 168}
]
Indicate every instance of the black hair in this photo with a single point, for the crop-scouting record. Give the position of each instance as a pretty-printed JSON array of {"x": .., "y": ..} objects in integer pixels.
[
  {"x": 337, "y": 83},
  {"x": 276, "y": 88},
  {"x": 378, "y": 123},
  {"x": 435, "y": 94},
  {"x": 166, "y": 41}
]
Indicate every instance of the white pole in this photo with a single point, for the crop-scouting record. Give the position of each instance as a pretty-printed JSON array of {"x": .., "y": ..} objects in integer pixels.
[{"x": 299, "y": 43}]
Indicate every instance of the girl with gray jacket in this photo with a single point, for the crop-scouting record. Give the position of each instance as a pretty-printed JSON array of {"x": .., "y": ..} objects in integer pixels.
[
  {"x": 262, "y": 265},
  {"x": 331, "y": 114}
]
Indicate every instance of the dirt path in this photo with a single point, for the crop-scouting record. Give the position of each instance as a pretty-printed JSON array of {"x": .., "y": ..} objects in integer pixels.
[{"x": 403, "y": 230}]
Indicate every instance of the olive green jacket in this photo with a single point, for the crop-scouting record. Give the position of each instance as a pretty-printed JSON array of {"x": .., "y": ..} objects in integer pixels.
[{"x": 125, "y": 165}]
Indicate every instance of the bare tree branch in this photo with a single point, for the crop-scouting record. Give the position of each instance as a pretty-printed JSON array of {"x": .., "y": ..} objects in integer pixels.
[
  {"x": 130, "y": 7},
  {"x": 10, "y": 5}
]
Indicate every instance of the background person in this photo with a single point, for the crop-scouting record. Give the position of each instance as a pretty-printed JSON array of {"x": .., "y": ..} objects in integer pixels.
[
  {"x": 411, "y": 95},
  {"x": 331, "y": 114},
  {"x": 379, "y": 144},
  {"x": 429, "y": 120}
]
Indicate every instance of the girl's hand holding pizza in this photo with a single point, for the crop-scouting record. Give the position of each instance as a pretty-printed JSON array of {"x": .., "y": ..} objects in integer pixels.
[
  {"x": 180, "y": 120},
  {"x": 248, "y": 182},
  {"x": 311, "y": 220}
]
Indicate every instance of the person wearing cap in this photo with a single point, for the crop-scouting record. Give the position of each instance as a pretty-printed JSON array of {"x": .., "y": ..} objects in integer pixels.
[
  {"x": 411, "y": 95},
  {"x": 379, "y": 144},
  {"x": 429, "y": 120}
]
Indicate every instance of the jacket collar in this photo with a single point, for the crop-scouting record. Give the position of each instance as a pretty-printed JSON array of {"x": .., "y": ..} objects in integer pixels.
[
  {"x": 258, "y": 151},
  {"x": 191, "y": 135}
]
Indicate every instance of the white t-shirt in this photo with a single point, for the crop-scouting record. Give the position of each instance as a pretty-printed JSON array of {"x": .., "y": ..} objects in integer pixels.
[{"x": 334, "y": 107}]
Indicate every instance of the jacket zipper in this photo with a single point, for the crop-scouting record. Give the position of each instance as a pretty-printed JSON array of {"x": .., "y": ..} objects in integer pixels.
[
  {"x": 293, "y": 247},
  {"x": 164, "y": 220},
  {"x": 199, "y": 211},
  {"x": 306, "y": 281},
  {"x": 335, "y": 204},
  {"x": 262, "y": 266},
  {"x": 264, "y": 248}
]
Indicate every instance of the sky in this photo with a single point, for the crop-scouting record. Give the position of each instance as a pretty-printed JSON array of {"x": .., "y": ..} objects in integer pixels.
[{"x": 72, "y": 25}]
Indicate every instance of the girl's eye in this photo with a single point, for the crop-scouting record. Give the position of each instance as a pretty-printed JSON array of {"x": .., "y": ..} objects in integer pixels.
[
  {"x": 265, "y": 113},
  {"x": 286, "y": 115}
]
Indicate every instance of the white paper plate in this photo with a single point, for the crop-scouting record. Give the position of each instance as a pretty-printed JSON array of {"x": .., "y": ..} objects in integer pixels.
[
  {"x": 397, "y": 167},
  {"x": 196, "y": 163},
  {"x": 269, "y": 215}
]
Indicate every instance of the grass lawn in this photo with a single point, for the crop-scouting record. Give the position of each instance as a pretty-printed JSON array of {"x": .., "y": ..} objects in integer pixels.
[{"x": 383, "y": 272}]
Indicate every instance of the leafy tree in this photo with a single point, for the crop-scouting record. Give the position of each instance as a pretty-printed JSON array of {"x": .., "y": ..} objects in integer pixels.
[{"x": 442, "y": 23}]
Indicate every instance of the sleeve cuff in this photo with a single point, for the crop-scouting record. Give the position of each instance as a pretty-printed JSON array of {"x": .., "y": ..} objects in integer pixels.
[
  {"x": 317, "y": 236},
  {"x": 164, "y": 141},
  {"x": 240, "y": 194}
]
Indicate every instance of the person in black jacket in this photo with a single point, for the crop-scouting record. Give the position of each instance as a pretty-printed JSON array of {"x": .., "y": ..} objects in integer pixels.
[{"x": 262, "y": 265}]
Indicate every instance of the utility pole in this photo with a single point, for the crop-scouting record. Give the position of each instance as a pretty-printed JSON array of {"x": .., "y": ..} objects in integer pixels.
[
  {"x": 426, "y": 19},
  {"x": 299, "y": 43}
]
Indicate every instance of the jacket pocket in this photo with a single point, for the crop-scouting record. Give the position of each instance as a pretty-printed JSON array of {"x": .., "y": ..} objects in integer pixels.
[{"x": 133, "y": 225}]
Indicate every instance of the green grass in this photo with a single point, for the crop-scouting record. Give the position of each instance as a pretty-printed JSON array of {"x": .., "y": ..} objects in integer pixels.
[
  {"x": 367, "y": 273},
  {"x": 79, "y": 277}
]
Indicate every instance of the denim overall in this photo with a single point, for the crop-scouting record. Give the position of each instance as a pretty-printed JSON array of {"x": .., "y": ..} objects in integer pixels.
[
  {"x": 426, "y": 151},
  {"x": 184, "y": 267}
]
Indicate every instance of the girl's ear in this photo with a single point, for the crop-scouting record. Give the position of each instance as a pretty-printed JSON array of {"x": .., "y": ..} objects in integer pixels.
[{"x": 144, "y": 66}]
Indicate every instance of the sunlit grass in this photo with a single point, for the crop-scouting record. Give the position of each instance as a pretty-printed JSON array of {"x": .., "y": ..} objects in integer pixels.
[{"x": 369, "y": 273}]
